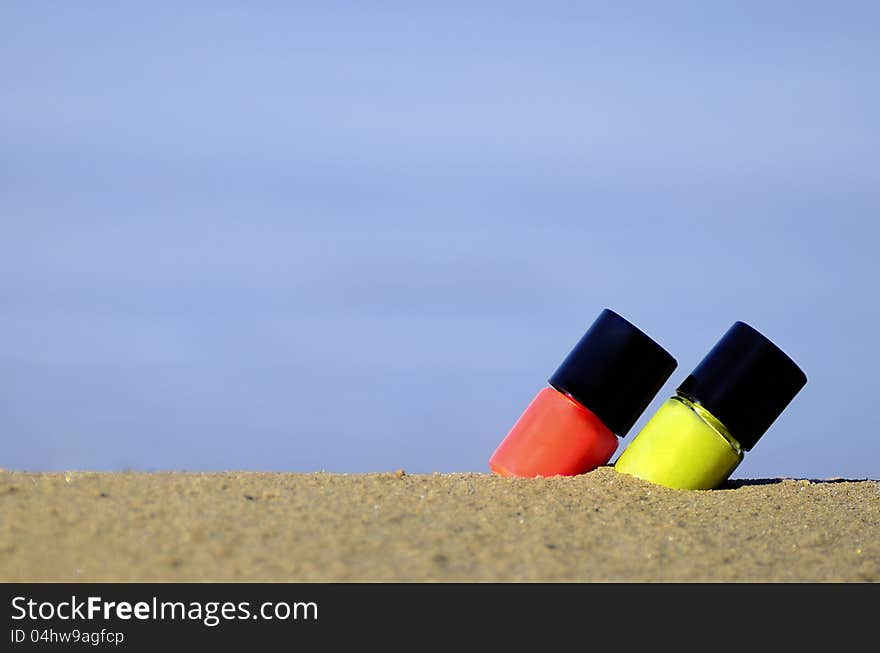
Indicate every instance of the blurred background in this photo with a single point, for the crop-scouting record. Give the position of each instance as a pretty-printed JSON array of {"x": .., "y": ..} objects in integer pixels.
[{"x": 360, "y": 236}]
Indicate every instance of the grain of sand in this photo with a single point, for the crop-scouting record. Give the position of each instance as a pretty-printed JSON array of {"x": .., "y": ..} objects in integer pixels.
[{"x": 601, "y": 526}]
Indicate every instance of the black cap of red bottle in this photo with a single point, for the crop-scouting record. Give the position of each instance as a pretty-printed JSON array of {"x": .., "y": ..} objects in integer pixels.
[
  {"x": 614, "y": 371},
  {"x": 746, "y": 382}
]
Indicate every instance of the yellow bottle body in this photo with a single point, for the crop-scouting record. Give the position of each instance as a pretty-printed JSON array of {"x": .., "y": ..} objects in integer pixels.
[{"x": 682, "y": 446}]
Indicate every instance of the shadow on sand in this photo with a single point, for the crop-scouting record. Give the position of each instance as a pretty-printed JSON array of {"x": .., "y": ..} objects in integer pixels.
[{"x": 733, "y": 484}]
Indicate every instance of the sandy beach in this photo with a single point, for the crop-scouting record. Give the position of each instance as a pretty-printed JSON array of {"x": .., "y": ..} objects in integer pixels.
[{"x": 601, "y": 526}]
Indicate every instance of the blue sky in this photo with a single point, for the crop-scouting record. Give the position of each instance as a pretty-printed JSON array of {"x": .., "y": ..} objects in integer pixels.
[{"x": 301, "y": 237}]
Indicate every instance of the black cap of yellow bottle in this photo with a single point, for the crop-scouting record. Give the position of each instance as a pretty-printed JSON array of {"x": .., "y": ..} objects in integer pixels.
[
  {"x": 746, "y": 382},
  {"x": 614, "y": 371}
]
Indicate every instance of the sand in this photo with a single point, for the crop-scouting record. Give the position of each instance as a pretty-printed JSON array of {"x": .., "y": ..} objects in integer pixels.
[{"x": 601, "y": 526}]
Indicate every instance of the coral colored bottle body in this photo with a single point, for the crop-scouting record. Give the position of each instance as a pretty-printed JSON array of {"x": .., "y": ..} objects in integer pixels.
[
  {"x": 680, "y": 425},
  {"x": 554, "y": 436}
]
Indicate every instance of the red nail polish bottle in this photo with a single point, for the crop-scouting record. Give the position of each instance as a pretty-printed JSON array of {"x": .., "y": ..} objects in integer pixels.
[{"x": 595, "y": 396}]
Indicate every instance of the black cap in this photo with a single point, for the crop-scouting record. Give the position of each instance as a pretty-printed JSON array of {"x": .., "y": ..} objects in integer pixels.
[
  {"x": 746, "y": 382},
  {"x": 614, "y": 371}
]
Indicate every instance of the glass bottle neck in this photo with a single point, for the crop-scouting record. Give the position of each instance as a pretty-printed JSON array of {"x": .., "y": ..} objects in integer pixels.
[{"x": 710, "y": 419}]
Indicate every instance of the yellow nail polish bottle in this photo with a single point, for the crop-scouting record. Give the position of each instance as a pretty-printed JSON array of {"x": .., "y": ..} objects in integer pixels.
[{"x": 698, "y": 437}]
